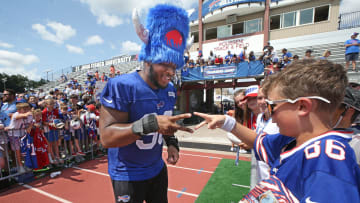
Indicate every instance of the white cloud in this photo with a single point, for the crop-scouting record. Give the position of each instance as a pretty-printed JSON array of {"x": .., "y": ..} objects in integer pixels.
[
  {"x": 129, "y": 47},
  {"x": 6, "y": 45},
  {"x": 57, "y": 32},
  {"x": 112, "y": 46},
  {"x": 347, "y": 6},
  {"x": 74, "y": 49},
  {"x": 95, "y": 39},
  {"x": 13, "y": 63},
  {"x": 112, "y": 12}
]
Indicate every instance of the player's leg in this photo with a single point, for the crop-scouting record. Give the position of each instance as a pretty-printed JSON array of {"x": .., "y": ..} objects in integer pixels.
[
  {"x": 347, "y": 61},
  {"x": 129, "y": 191},
  {"x": 158, "y": 187}
]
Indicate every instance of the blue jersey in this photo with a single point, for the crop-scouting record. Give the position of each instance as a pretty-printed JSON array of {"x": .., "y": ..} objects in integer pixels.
[
  {"x": 129, "y": 93},
  {"x": 354, "y": 48},
  {"x": 323, "y": 169}
]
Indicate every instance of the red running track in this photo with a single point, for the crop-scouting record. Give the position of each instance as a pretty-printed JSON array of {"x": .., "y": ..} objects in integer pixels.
[{"x": 90, "y": 182}]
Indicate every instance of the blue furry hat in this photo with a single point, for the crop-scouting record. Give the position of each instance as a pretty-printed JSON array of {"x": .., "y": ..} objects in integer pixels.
[{"x": 167, "y": 32}]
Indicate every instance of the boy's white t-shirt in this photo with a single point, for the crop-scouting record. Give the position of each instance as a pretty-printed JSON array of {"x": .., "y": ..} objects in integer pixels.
[
  {"x": 18, "y": 126},
  {"x": 262, "y": 169}
]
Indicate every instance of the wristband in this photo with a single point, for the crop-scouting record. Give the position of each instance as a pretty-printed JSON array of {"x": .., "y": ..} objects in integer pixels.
[
  {"x": 229, "y": 123},
  {"x": 172, "y": 140},
  {"x": 145, "y": 125}
]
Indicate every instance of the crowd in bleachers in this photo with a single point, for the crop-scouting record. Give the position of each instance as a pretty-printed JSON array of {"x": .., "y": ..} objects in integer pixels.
[{"x": 39, "y": 130}]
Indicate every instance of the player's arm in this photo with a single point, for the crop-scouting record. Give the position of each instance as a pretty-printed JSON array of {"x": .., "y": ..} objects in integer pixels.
[{"x": 115, "y": 131}]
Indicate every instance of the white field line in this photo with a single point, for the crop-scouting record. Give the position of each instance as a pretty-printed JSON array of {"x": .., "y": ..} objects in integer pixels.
[
  {"x": 191, "y": 169},
  {"x": 244, "y": 186},
  {"x": 104, "y": 174},
  {"x": 45, "y": 193}
]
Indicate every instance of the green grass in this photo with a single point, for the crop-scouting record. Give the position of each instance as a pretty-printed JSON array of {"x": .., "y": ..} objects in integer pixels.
[{"x": 219, "y": 188}]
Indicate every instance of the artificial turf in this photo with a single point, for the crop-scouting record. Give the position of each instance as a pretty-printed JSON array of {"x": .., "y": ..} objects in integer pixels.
[{"x": 220, "y": 188}]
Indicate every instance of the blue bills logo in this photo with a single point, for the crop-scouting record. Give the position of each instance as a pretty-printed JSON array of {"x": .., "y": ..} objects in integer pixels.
[
  {"x": 160, "y": 104},
  {"x": 174, "y": 39},
  {"x": 124, "y": 198}
]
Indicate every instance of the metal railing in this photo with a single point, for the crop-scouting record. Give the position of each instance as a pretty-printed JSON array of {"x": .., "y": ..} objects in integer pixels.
[
  {"x": 349, "y": 20},
  {"x": 75, "y": 146}
]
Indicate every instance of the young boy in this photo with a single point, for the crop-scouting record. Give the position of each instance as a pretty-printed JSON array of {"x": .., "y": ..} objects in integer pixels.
[
  {"x": 65, "y": 117},
  {"x": 312, "y": 162},
  {"x": 52, "y": 135},
  {"x": 40, "y": 142},
  {"x": 19, "y": 123}
]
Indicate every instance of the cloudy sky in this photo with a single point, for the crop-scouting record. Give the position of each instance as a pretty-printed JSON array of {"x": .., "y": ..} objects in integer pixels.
[{"x": 41, "y": 35}]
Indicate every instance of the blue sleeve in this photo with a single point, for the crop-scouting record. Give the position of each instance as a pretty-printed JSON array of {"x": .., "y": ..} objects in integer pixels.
[
  {"x": 267, "y": 147},
  {"x": 116, "y": 95},
  {"x": 5, "y": 119}
]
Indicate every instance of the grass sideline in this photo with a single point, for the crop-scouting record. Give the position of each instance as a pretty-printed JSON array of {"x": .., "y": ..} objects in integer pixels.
[{"x": 220, "y": 189}]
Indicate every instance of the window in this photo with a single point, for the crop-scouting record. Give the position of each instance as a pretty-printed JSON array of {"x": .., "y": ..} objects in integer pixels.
[
  {"x": 306, "y": 16},
  {"x": 224, "y": 31},
  {"x": 253, "y": 26},
  {"x": 321, "y": 13},
  {"x": 274, "y": 22},
  {"x": 196, "y": 36},
  {"x": 289, "y": 19},
  {"x": 211, "y": 33},
  {"x": 238, "y": 28}
]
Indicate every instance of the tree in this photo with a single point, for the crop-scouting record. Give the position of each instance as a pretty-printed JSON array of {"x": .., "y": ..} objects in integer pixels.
[{"x": 18, "y": 82}]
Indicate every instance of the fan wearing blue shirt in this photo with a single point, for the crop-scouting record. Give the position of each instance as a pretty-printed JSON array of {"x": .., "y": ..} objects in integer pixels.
[
  {"x": 352, "y": 51},
  {"x": 137, "y": 108},
  {"x": 310, "y": 161}
]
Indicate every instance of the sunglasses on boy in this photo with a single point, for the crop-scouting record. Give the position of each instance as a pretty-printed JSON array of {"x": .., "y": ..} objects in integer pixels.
[{"x": 272, "y": 104}]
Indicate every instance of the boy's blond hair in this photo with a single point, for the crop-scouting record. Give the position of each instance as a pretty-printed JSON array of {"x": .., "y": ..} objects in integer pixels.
[
  {"x": 36, "y": 111},
  {"x": 311, "y": 78},
  {"x": 49, "y": 101},
  {"x": 22, "y": 105}
]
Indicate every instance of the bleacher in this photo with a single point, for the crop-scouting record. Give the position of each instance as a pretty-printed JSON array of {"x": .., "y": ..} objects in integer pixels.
[{"x": 81, "y": 76}]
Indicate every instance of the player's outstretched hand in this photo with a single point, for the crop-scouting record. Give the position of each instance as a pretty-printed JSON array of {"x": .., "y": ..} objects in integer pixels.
[
  {"x": 168, "y": 125},
  {"x": 212, "y": 121}
]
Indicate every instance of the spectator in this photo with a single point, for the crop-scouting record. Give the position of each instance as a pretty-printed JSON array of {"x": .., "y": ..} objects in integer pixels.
[
  {"x": 19, "y": 123},
  {"x": 49, "y": 114},
  {"x": 33, "y": 101},
  {"x": 218, "y": 60},
  {"x": 242, "y": 55},
  {"x": 352, "y": 51},
  {"x": 97, "y": 78},
  {"x": 286, "y": 53},
  {"x": 9, "y": 102},
  {"x": 211, "y": 58},
  {"x": 112, "y": 71},
  {"x": 295, "y": 57},
  {"x": 252, "y": 56},
  {"x": 325, "y": 55},
  {"x": 308, "y": 54},
  {"x": 4, "y": 122},
  {"x": 234, "y": 59},
  {"x": 285, "y": 62},
  {"x": 104, "y": 78},
  {"x": 228, "y": 57}
]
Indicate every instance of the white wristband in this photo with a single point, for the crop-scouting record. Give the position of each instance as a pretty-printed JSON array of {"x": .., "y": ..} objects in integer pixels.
[{"x": 229, "y": 123}]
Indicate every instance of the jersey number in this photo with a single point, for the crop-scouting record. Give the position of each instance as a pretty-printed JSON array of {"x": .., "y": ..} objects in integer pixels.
[
  {"x": 332, "y": 150},
  {"x": 156, "y": 137}
]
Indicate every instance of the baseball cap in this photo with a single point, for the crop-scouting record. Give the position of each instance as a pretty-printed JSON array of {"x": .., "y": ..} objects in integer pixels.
[
  {"x": 352, "y": 98},
  {"x": 251, "y": 91},
  {"x": 91, "y": 107},
  {"x": 355, "y": 33}
]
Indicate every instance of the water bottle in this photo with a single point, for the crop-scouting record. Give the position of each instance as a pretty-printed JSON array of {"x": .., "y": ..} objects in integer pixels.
[{"x": 54, "y": 174}]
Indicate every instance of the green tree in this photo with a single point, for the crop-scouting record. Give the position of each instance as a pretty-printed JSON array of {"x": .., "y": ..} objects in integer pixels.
[{"x": 18, "y": 82}]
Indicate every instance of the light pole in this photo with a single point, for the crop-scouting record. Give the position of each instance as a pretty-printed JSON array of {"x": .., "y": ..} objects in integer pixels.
[
  {"x": 4, "y": 81},
  {"x": 47, "y": 74}
]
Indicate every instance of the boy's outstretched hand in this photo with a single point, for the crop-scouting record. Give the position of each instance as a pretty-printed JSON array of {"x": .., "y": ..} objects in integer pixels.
[{"x": 213, "y": 121}]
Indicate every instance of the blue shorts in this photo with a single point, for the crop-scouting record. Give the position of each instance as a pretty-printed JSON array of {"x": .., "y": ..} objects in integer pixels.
[
  {"x": 79, "y": 135},
  {"x": 67, "y": 135},
  {"x": 52, "y": 136}
]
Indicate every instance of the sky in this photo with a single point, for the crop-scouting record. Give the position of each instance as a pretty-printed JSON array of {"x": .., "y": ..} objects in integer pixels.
[
  {"x": 41, "y": 35},
  {"x": 53, "y": 35}
]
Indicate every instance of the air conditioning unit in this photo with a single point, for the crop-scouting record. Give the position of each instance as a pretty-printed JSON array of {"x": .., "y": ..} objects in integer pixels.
[{"x": 231, "y": 19}]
